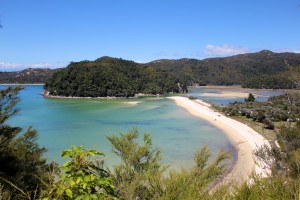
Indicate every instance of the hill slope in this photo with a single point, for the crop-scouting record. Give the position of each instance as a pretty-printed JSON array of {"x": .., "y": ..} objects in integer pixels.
[
  {"x": 111, "y": 77},
  {"x": 30, "y": 75},
  {"x": 239, "y": 69},
  {"x": 263, "y": 69}
]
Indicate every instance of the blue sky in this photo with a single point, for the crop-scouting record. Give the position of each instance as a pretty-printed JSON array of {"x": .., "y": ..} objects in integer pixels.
[{"x": 44, "y": 33}]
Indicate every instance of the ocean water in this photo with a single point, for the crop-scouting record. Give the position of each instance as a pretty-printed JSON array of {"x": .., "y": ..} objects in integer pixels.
[{"x": 64, "y": 122}]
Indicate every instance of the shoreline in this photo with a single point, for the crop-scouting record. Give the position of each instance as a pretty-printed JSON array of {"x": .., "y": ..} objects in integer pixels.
[
  {"x": 233, "y": 87},
  {"x": 244, "y": 139},
  {"x": 46, "y": 94}
]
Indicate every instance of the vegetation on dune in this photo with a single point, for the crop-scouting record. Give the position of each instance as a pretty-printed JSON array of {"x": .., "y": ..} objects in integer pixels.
[
  {"x": 284, "y": 154},
  {"x": 111, "y": 77},
  {"x": 284, "y": 183},
  {"x": 278, "y": 108},
  {"x": 250, "y": 98}
]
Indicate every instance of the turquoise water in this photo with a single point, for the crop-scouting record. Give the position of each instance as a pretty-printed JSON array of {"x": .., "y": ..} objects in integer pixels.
[{"x": 65, "y": 122}]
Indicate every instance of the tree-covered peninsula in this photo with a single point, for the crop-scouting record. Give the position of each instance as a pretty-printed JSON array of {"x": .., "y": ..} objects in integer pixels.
[{"x": 111, "y": 77}]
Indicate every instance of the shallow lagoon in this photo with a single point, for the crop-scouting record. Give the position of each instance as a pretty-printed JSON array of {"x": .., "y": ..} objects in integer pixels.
[
  {"x": 65, "y": 122},
  {"x": 201, "y": 93}
]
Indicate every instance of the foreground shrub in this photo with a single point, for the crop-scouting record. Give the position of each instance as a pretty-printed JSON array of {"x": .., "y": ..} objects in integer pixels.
[
  {"x": 82, "y": 177},
  {"x": 275, "y": 187},
  {"x": 141, "y": 175},
  {"x": 22, "y": 166}
]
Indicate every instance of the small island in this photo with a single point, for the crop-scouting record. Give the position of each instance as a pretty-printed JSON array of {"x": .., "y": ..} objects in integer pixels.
[{"x": 111, "y": 77}]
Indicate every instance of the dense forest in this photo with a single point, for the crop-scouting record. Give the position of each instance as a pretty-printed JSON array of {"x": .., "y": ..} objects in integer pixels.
[
  {"x": 264, "y": 69},
  {"x": 111, "y": 77},
  {"x": 140, "y": 174},
  {"x": 280, "y": 81}
]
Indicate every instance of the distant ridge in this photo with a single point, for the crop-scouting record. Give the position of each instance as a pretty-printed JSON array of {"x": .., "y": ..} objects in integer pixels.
[
  {"x": 263, "y": 69},
  {"x": 29, "y": 76}
]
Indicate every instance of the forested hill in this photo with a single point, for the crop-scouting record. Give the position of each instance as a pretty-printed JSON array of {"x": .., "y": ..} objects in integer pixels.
[
  {"x": 264, "y": 69},
  {"x": 111, "y": 77},
  {"x": 255, "y": 70},
  {"x": 30, "y": 75}
]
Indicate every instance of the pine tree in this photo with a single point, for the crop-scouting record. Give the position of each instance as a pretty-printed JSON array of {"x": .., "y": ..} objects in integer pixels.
[
  {"x": 22, "y": 166},
  {"x": 250, "y": 98}
]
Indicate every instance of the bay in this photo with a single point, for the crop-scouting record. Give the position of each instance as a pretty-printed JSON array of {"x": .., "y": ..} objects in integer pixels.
[{"x": 64, "y": 122}]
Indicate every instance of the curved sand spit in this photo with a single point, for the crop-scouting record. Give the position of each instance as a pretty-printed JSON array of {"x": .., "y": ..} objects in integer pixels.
[{"x": 244, "y": 138}]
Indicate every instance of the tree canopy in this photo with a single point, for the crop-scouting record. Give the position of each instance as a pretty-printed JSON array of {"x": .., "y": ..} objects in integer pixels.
[
  {"x": 111, "y": 77},
  {"x": 22, "y": 166},
  {"x": 263, "y": 69}
]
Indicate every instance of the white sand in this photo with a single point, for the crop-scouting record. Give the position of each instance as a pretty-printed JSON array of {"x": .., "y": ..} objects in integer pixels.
[
  {"x": 202, "y": 102},
  {"x": 244, "y": 138},
  {"x": 228, "y": 94},
  {"x": 132, "y": 102}
]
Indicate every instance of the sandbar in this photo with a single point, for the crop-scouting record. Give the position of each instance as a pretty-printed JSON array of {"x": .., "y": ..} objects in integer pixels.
[
  {"x": 245, "y": 140},
  {"x": 132, "y": 102},
  {"x": 228, "y": 94}
]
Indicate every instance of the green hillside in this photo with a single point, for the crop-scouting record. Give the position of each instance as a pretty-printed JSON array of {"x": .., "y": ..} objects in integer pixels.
[
  {"x": 246, "y": 69},
  {"x": 30, "y": 75},
  {"x": 264, "y": 69},
  {"x": 111, "y": 77}
]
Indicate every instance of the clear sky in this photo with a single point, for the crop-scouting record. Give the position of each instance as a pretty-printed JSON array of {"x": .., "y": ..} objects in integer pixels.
[{"x": 52, "y": 33}]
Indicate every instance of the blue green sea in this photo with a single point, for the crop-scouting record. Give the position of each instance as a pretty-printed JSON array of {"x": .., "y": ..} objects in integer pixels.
[{"x": 64, "y": 122}]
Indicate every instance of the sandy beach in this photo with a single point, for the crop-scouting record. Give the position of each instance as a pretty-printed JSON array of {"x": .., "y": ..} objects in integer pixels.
[
  {"x": 244, "y": 138},
  {"x": 228, "y": 94},
  {"x": 235, "y": 91}
]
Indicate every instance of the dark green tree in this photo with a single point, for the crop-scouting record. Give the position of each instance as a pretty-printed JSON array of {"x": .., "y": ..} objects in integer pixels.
[
  {"x": 22, "y": 167},
  {"x": 82, "y": 177},
  {"x": 250, "y": 98},
  {"x": 111, "y": 77}
]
